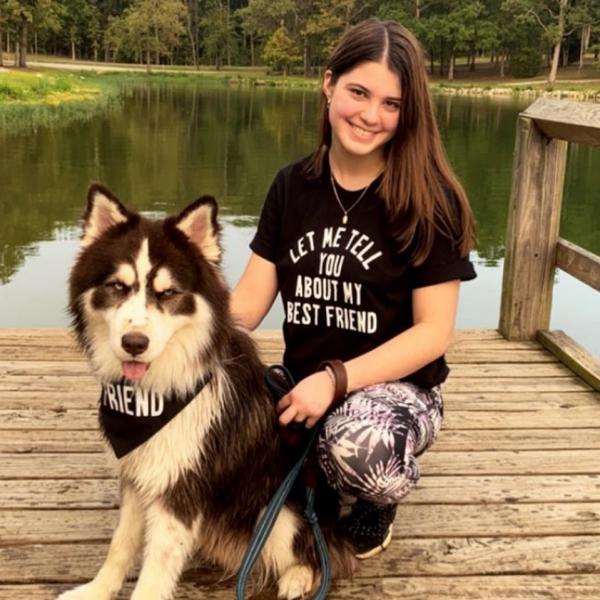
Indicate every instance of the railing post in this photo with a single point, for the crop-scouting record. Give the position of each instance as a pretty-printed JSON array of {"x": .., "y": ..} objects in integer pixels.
[{"x": 532, "y": 232}]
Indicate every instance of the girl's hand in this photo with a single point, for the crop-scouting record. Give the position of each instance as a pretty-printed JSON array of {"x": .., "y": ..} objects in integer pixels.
[{"x": 308, "y": 400}]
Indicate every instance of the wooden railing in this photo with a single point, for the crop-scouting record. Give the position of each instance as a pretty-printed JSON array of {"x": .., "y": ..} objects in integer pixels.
[{"x": 533, "y": 246}]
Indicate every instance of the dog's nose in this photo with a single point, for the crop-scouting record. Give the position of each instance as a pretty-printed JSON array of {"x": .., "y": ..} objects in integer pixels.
[{"x": 134, "y": 343}]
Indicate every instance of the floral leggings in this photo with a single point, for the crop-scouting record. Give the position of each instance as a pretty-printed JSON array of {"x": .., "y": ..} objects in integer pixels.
[{"x": 368, "y": 445}]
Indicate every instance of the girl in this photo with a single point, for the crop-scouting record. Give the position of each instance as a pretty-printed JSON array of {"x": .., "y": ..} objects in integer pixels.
[{"x": 367, "y": 241}]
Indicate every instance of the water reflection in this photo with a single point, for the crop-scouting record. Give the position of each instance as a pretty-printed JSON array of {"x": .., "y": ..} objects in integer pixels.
[{"x": 162, "y": 145}]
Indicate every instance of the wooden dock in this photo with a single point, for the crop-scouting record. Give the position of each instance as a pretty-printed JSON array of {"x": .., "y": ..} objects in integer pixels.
[{"x": 507, "y": 507}]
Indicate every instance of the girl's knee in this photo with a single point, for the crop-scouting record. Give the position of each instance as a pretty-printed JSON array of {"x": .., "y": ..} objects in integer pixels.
[{"x": 383, "y": 473}]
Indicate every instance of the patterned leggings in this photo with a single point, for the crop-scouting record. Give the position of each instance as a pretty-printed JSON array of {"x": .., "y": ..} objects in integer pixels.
[{"x": 368, "y": 445}]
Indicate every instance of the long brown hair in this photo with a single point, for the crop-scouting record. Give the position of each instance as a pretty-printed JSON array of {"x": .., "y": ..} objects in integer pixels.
[{"x": 420, "y": 190}]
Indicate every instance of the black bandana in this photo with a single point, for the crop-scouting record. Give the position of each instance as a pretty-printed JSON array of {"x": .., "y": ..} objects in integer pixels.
[{"x": 130, "y": 415}]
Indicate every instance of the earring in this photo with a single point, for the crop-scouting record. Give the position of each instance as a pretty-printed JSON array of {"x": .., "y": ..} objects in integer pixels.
[{"x": 328, "y": 102}]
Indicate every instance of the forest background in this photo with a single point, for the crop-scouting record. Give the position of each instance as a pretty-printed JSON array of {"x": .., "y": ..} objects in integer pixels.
[{"x": 516, "y": 37}]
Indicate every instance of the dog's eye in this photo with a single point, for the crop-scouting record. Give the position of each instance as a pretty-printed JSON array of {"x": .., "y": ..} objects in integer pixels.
[
  {"x": 169, "y": 293},
  {"x": 117, "y": 286}
]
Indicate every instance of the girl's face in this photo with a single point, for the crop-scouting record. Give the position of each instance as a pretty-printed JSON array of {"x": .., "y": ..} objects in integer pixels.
[{"x": 364, "y": 109}]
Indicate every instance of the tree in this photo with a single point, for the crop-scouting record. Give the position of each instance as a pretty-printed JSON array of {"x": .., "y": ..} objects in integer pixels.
[
  {"x": 148, "y": 27},
  {"x": 281, "y": 51},
  {"x": 260, "y": 18},
  {"x": 551, "y": 16},
  {"x": 217, "y": 32},
  {"x": 583, "y": 17}
]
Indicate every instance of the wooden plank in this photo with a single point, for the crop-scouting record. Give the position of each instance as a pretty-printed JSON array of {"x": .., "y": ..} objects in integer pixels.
[
  {"x": 578, "y": 262},
  {"x": 456, "y": 354},
  {"x": 67, "y": 371},
  {"x": 479, "y": 384},
  {"x": 44, "y": 440},
  {"x": 532, "y": 232},
  {"x": 59, "y": 493},
  {"x": 38, "y": 441},
  {"x": 575, "y": 357},
  {"x": 59, "y": 400},
  {"x": 576, "y": 122},
  {"x": 431, "y": 489},
  {"x": 457, "y": 416},
  {"x": 36, "y": 563},
  {"x": 491, "y": 587},
  {"x": 423, "y": 521},
  {"x": 522, "y": 462}
]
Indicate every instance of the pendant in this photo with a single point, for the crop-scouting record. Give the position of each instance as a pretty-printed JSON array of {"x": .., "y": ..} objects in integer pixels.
[{"x": 345, "y": 219}]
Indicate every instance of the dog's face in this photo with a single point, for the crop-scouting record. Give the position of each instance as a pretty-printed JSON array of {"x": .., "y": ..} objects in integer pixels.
[{"x": 146, "y": 295}]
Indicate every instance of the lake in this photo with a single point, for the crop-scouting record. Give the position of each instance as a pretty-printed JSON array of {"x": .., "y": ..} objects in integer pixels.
[{"x": 158, "y": 146}]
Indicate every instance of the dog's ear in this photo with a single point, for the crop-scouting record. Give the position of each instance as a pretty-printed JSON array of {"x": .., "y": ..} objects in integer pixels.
[
  {"x": 104, "y": 210},
  {"x": 199, "y": 223}
]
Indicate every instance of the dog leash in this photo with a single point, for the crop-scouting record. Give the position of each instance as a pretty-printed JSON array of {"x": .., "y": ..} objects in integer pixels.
[{"x": 267, "y": 521}]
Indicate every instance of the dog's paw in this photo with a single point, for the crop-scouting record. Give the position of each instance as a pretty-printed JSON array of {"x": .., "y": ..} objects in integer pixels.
[
  {"x": 88, "y": 591},
  {"x": 296, "y": 582}
]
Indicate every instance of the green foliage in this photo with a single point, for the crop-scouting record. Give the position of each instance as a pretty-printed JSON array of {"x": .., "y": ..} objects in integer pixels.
[
  {"x": 147, "y": 28},
  {"x": 281, "y": 52},
  {"x": 526, "y": 61},
  {"x": 237, "y": 32}
]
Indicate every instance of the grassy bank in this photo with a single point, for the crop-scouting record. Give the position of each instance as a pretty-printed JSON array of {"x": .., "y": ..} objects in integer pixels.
[
  {"x": 35, "y": 87},
  {"x": 51, "y": 86}
]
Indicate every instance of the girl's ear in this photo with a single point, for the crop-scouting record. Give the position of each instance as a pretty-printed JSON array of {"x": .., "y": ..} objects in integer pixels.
[
  {"x": 104, "y": 210},
  {"x": 199, "y": 224},
  {"x": 327, "y": 86}
]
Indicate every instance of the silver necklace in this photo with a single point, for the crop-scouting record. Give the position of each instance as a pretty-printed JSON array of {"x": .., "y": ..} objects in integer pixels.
[{"x": 335, "y": 193}]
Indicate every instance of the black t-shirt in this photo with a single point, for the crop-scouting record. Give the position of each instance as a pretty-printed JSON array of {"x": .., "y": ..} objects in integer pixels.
[{"x": 346, "y": 288}]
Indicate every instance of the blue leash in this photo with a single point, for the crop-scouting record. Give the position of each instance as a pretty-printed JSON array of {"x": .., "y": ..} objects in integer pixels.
[{"x": 267, "y": 521}]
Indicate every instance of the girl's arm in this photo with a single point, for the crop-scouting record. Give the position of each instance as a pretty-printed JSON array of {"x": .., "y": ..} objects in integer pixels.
[
  {"x": 434, "y": 314},
  {"x": 254, "y": 294}
]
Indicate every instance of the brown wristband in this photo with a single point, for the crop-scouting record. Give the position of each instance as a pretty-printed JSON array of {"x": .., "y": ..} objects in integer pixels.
[{"x": 341, "y": 378}]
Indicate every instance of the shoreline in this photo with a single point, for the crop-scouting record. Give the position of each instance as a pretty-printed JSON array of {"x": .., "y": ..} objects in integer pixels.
[{"x": 97, "y": 75}]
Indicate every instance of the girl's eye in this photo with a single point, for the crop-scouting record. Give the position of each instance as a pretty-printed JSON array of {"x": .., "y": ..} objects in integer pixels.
[
  {"x": 393, "y": 105},
  {"x": 357, "y": 92}
]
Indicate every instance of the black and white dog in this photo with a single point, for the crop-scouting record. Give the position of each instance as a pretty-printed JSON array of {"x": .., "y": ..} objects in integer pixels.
[{"x": 184, "y": 407}]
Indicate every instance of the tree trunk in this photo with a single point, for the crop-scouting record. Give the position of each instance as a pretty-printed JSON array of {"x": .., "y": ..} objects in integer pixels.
[
  {"x": 252, "y": 59},
  {"x": 473, "y": 56},
  {"x": 1, "y": 41},
  {"x": 502, "y": 58},
  {"x": 561, "y": 31},
  {"x": 431, "y": 66},
  {"x": 22, "y": 62},
  {"x": 451, "y": 66},
  {"x": 418, "y": 9},
  {"x": 73, "y": 49},
  {"x": 157, "y": 45},
  {"x": 228, "y": 35},
  {"x": 442, "y": 51},
  {"x": 190, "y": 28},
  {"x": 35, "y": 43},
  {"x": 554, "y": 66},
  {"x": 305, "y": 57},
  {"x": 586, "y": 32}
]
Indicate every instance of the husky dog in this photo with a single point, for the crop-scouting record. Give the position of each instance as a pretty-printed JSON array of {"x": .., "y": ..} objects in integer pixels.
[{"x": 150, "y": 311}]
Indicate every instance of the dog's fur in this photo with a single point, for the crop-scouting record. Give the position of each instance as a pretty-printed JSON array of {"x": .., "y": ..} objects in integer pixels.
[{"x": 200, "y": 484}]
